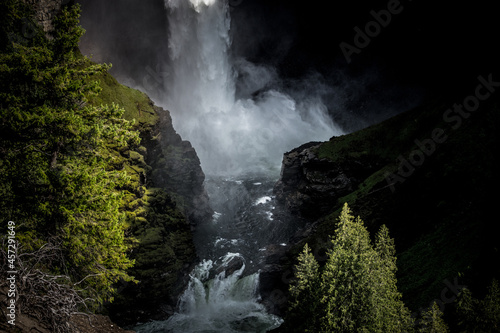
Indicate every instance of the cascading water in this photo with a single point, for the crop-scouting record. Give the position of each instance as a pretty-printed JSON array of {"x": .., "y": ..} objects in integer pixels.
[
  {"x": 240, "y": 121},
  {"x": 232, "y": 134},
  {"x": 221, "y": 304},
  {"x": 222, "y": 295}
]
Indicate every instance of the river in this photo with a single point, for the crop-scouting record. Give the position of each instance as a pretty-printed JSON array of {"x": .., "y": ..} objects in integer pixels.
[{"x": 222, "y": 295}]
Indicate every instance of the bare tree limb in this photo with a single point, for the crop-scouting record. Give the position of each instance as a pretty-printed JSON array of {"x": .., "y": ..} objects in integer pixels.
[{"x": 49, "y": 298}]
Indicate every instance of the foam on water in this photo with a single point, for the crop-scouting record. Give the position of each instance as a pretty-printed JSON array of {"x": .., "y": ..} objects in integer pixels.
[{"x": 222, "y": 304}]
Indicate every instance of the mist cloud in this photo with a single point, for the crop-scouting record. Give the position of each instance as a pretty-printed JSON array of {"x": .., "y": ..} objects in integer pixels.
[{"x": 236, "y": 113}]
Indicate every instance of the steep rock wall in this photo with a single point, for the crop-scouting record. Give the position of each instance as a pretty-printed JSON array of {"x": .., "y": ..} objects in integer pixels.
[
  {"x": 310, "y": 185},
  {"x": 167, "y": 202},
  {"x": 176, "y": 168}
]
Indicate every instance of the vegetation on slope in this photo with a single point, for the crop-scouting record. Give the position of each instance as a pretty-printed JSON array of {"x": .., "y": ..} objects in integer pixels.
[
  {"x": 58, "y": 183},
  {"x": 437, "y": 199},
  {"x": 74, "y": 179},
  {"x": 356, "y": 290}
]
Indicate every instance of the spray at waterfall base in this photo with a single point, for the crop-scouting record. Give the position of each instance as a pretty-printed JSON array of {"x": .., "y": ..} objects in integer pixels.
[{"x": 236, "y": 114}]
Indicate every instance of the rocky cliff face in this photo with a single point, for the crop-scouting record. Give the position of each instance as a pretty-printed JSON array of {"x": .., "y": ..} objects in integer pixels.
[
  {"x": 176, "y": 168},
  {"x": 310, "y": 185},
  {"x": 45, "y": 11},
  {"x": 171, "y": 201},
  {"x": 167, "y": 202},
  {"x": 436, "y": 206}
]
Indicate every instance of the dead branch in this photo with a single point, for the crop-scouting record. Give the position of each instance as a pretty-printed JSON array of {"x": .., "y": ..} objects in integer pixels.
[{"x": 49, "y": 298}]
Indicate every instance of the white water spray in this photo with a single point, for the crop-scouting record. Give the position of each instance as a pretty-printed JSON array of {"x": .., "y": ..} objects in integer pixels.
[
  {"x": 223, "y": 304},
  {"x": 232, "y": 135}
]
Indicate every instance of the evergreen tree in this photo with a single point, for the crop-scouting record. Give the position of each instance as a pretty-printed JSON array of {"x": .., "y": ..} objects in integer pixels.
[
  {"x": 384, "y": 245},
  {"x": 57, "y": 178},
  {"x": 491, "y": 307},
  {"x": 393, "y": 313},
  {"x": 356, "y": 289},
  {"x": 432, "y": 321},
  {"x": 480, "y": 315},
  {"x": 304, "y": 293},
  {"x": 348, "y": 279},
  {"x": 358, "y": 283}
]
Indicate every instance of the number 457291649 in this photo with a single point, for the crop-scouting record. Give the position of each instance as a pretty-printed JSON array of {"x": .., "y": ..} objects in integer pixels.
[{"x": 11, "y": 251}]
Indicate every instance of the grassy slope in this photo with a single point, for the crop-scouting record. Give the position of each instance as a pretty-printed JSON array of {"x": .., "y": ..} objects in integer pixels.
[
  {"x": 136, "y": 104},
  {"x": 440, "y": 216}
]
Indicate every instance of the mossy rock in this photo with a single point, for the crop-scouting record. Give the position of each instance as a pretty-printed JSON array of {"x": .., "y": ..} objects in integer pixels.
[
  {"x": 141, "y": 150},
  {"x": 137, "y": 105},
  {"x": 156, "y": 224},
  {"x": 141, "y": 220},
  {"x": 135, "y": 204},
  {"x": 137, "y": 159},
  {"x": 141, "y": 212}
]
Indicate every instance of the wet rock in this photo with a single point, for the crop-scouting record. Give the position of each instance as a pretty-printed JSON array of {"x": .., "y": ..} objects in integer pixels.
[
  {"x": 274, "y": 279},
  {"x": 273, "y": 288},
  {"x": 176, "y": 168},
  {"x": 310, "y": 186},
  {"x": 230, "y": 266}
]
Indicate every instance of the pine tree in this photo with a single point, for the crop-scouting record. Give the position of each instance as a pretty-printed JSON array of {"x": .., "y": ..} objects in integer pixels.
[
  {"x": 346, "y": 281},
  {"x": 56, "y": 174},
  {"x": 356, "y": 289},
  {"x": 358, "y": 283},
  {"x": 432, "y": 321},
  {"x": 304, "y": 297},
  {"x": 480, "y": 315},
  {"x": 393, "y": 313},
  {"x": 491, "y": 307}
]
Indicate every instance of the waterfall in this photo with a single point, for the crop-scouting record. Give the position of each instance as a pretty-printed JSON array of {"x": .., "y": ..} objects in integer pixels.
[
  {"x": 240, "y": 120},
  {"x": 222, "y": 304},
  {"x": 222, "y": 295},
  {"x": 233, "y": 134}
]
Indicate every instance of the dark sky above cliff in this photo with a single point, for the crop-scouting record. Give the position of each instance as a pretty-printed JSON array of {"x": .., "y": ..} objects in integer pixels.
[
  {"x": 426, "y": 46},
  {"x": 425, "y": 41}
]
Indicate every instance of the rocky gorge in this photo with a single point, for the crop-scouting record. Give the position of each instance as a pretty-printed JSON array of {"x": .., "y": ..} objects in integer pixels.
[
  {"x": 437, "y": 213},
  {"x": 170, "y": 202},
  {"x": 309, "y": 184}
]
